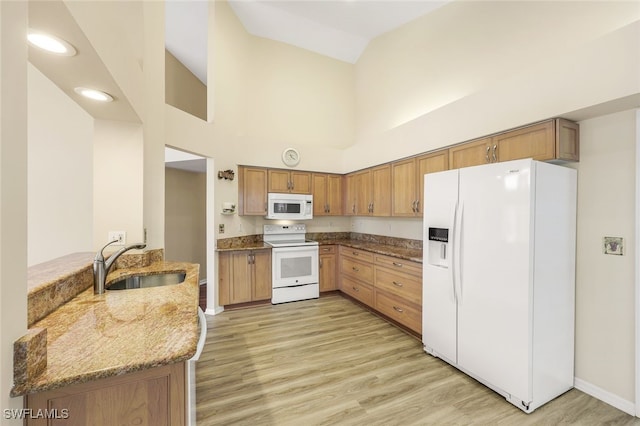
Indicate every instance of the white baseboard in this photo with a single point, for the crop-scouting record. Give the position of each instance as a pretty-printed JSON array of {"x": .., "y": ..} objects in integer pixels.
[
  {"x": 214, "y": 311},
  {"x": 605, "y": 396}
]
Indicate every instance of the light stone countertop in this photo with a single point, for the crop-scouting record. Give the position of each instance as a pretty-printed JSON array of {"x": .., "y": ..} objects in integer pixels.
[{"x": 121, "y": 331}]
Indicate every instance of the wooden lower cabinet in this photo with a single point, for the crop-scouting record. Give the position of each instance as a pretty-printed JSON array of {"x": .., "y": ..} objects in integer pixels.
[
  {"x": 149, "y": 397},
  {"x": 244, "y": 276},
  {"x": 398, "y": 290},
  {"x": 328, "y": 272},
  {"x": 387, "y": 284}
]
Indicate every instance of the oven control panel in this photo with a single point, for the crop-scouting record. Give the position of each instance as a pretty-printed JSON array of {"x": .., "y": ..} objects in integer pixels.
[{"x": 295, "y": 228}]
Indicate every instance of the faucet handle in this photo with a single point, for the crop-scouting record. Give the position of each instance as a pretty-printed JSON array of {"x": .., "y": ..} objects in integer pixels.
[{"x": 99, "y": 257}]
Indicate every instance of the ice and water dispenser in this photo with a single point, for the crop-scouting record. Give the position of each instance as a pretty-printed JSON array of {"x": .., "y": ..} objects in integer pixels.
[{"x": 438, "y": 247}]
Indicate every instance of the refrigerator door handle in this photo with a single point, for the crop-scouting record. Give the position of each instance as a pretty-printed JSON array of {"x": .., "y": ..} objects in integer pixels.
[
  {"x": 452, "y": 271},
  {"x": 457, "y": 252}
]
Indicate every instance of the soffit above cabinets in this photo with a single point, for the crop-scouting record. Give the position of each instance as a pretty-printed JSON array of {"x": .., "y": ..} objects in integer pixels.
[
  {"x": 340, "y": 29},
  {"x": 84, "y": 69}
]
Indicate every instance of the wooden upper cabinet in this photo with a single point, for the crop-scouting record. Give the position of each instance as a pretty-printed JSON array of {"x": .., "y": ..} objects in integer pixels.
[
  {"x": 556, "y": 139},
  {"x": 407, "y": 178},
  {"x": 362, "y": 190},
  {"x": 349, "y": 200},
  {"x": 471, "y": 153},
  {"x": 285, "y": 181},
  {"x": 404, "y": 187},
  {"x": 327, "y": 194},
  {"x": 381, "y": 191},
  {"x": 567, "y": 140},
  {"x": 252, "y": 188},
  {"x": 430, "y": 163},
  {"x": 537, "y": 142}
]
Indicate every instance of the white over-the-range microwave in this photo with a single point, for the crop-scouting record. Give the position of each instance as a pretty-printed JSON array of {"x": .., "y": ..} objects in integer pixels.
[{"x": 289, "y": 206}]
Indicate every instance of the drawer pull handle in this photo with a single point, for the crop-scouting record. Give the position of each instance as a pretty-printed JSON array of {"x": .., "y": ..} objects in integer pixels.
[
  {"x": 354, "y": 253},
  {"x": 399, "y": 265},
  {"x": 356, "y": 289},
  {"x": 326, "y": 249},
  {"x": 355, "y": 269},
  {"x": 397, "y": 284},
  {"x": 398, "y": 309}
]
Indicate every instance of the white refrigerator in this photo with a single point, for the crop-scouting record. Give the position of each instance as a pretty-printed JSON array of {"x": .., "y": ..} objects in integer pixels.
[{"x": 499, "y": 276}]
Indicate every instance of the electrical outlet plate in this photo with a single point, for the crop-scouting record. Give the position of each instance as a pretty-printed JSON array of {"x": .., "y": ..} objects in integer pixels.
[
  {"x": 613, "y": 245},
  {"x": 121, "y": 236}
]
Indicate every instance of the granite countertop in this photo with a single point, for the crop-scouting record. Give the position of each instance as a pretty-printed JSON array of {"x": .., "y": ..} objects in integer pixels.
[
  {"x": 389, "y": 246},
  {"x": 405, "y": 253},
  {"x": 121, "y": 331}
]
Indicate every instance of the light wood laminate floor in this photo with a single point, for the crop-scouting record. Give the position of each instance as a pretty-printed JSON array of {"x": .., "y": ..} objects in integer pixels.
[{"x": 331, "y": 362}]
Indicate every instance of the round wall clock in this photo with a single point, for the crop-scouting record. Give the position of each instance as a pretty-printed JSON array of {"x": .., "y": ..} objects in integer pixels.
[{"x": 290, "y": 157}]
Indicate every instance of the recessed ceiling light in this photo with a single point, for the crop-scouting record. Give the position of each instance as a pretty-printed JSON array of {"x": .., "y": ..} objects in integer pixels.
[
  {"x": 50, "y": 43},
  {"x": 94, "y": 94}
]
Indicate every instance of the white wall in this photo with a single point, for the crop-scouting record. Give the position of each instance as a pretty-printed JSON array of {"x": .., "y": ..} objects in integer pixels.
[
  {"x": 60, "y": 169},
  {"x": 605, "y": 284},
  {"x": 13, "y": 193},
  {"x": 118, "y": 181}
]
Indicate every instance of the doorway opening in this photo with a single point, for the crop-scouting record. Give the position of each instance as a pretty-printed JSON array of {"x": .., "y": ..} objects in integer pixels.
[{"x": 187, "y": 195}]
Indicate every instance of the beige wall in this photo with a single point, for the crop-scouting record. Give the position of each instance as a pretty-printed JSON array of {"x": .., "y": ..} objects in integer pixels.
[
  {"x": 13, "y": 193},
  {"x": 60, "y": 168},
  {"x": 475, "y": 68},
  {"x": 605, "y": 354},
  {"x": 182, "y": 88},
  {"x": 185, "y": 217},
  {"x": 118, "y": 177}
]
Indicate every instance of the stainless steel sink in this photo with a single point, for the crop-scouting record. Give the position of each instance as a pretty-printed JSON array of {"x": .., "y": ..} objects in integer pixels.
[{"x": 146, "y": 281}]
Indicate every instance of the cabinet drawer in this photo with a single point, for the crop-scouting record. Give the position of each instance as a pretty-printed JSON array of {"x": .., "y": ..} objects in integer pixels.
[
  {"x": 361, "y": 255},
  {"x": 355, "y": 269},
  {"x": 399, "y": 264},
  {"x": 327, "y": 249},
  {"x": 400, "y": 310},
  {"x": 357, "y": 290},
  {"x": 401, "y": 284}
]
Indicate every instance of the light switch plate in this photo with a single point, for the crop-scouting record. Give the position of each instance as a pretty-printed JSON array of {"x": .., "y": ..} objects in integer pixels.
[
  {"x": 613, "y": 245},
  {"x": 121, "y": 236}
]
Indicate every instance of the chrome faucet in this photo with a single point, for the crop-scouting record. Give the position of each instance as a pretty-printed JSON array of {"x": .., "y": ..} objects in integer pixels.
[{"x": 101, "y": 268}]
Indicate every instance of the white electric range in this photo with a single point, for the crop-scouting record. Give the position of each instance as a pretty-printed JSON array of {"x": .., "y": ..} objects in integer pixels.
[{"x": 294, "y": 271}]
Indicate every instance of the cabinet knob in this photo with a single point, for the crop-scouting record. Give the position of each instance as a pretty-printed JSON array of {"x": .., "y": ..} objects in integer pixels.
[{"x": 398, "y": 309}]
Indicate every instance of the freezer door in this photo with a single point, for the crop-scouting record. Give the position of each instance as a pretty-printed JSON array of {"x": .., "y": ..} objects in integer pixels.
[
  {"x": 494, "y": 310},
  {"x": 438, "y": 293}
]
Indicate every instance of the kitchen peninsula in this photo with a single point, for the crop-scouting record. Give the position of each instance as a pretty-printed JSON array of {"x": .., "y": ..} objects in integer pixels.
[{"x": 108, "y": 345}]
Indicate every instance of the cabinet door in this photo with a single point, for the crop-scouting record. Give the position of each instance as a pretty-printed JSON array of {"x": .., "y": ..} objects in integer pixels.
[
  {"x": 300, "y": 182},
  {"x": 279, "y": 181},
  {"x": 430, "y": 163},
  {"x": 252, "y": 185},
  {"x": 241, "y": 269},
  {"x": 404, "y": 192},
  {"x": 470, "y": 154},
  {"x": 261, "y": 275},
  {"x": 362, "y": 188},
  {"x": 537, "y": 142},
  {"x": 319, "y": 183},
  {"x": 567, "y": 140},
  {"x": 327, "y": 270},
  {"x": 350, "y": 194},
  {"x": 224, "y": 278},
  {"x": 334, "y": 195},
  {"x": 381, "y": 190},
  {"x": 149, "y": 397}
]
